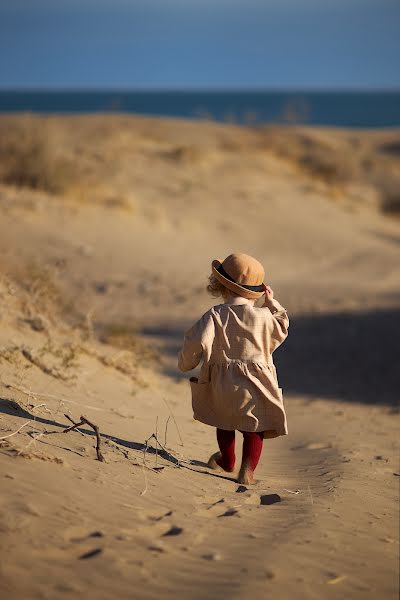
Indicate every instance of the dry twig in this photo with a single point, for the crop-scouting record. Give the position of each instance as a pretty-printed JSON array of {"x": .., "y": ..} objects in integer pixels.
[
  {"x": 33, "y": 440},
  {"x": 95, "y": 428},
  {"x": 144, "y": 469},
  {"x": 11, "y": 434},
  {"x": 173, "y": 417},
  {"x": 166, "y": 429},
  {"x": 311, "y": 496},
  {"x": 177, "y": 461},
  {"x": 156, "y": 441},
  {"x": 74, "y": 423},
  {"x": 43, "y": 405},
  {"x": 35, "y": 395}
]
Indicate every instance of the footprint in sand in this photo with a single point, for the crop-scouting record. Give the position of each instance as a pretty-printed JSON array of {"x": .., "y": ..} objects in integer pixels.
[
  {"x": 90, "y": 553},
  {"x": 83, "y": 537},
  {"x": 241, "y": 489},
  {"x": 160, "y": 517},
  {"x": 229, "y": 513},
  {"x": 209, "y": 500},
  {"x": 318, "y": 446},
  {"x": 85, "y": 540},
  {"x": 212, "y": 556},
  {"x": 76, "y": 535},
  {"x": 255, "y": 499},
  {"x": 252, "y": 500},
  {"x": 155, "y": 525},
  {"x": 263, "y": 500},
  {"x": 312, "y": 446},
  {"x": 157, "y": 547},
  {"x": 212, "y": 510},
  {"x": 268, "y": 499},
  {"x": 93, "y": 534},
  {"x": 249, "y": 499},
  {"x": 174, "y": 530}
]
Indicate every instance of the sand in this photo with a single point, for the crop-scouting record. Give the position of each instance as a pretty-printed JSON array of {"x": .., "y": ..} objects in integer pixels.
[{"x": 99, "y": 280}]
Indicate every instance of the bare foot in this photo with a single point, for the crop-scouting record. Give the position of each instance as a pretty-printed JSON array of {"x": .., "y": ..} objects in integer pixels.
[
  {"x": 212, "y": 463},
  {"x": 246, "y": 476}
]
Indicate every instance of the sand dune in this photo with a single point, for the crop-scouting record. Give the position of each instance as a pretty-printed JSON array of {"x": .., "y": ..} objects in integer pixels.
[{"x": 107, "y": 229}]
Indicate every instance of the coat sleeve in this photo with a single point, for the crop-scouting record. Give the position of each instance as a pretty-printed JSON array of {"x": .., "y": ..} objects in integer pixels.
[
  {"x": 195, "y": 342},
  {"x": 280, "y": 324}
]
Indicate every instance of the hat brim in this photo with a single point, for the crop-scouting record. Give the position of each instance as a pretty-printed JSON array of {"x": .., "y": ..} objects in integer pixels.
[{"x": 231, "y": 285}]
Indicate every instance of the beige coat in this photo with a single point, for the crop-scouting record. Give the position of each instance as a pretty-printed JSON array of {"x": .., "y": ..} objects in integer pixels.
[{"x": 237, "y": 387}]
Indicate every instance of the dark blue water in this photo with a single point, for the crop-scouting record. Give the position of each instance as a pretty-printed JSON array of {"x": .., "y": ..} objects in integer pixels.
[{"x": 346, "y": 109}]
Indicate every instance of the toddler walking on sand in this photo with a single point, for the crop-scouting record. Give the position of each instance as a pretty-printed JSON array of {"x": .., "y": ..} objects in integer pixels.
[{"x": 237, "y": 388}]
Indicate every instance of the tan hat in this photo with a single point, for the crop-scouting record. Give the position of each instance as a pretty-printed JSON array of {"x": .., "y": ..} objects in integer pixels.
[{"x": 242, "y": 274}]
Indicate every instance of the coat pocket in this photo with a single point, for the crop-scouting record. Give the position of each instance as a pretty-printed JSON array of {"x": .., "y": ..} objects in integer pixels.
[{"x": 200, "y": 397}]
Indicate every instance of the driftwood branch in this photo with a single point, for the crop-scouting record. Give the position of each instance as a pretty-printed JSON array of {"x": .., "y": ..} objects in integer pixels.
[
  {"x": 95, "y": 428},
  {"x": 74, "y": 423}
]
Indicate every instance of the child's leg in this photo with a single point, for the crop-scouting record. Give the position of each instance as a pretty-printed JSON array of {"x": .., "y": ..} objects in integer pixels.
[
  {"x": 252, "y": 447},
  {"x": 226, "y": 443},
  {"x": 226, "y": 457}
]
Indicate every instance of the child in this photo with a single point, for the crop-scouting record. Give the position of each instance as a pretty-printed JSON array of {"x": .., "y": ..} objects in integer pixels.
[{"x": 237, "y": 387}]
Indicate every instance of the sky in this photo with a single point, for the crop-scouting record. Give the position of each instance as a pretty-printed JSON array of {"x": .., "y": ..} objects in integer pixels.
[{"x": 200, "y": 44}]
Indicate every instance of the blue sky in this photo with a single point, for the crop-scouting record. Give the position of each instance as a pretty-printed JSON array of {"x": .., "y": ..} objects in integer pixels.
[{"x": 159, "y": 44}]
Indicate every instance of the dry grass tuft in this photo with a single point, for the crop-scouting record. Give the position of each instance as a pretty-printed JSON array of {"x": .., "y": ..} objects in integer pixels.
[
  {"x": 47, "y": 154},
  {"x": 389, "y": 192},
  {"x": 36, "y": 301},
  {"x": 30, "y": 155},
  {"x": 342, "y": 161},
  {"x": 125, "y": 336},
  {"x": 316, "y": 157},
  {"x": 94, "y": 191},
  {"x": 183, "y": 154},
  {"x": 43, "y": 302}
]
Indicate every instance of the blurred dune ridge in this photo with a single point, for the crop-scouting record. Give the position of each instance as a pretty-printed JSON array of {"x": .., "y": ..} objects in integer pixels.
[{"x": 90, "y": 158}]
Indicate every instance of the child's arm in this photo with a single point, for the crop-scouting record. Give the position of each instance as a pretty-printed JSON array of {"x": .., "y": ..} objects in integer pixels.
[
  {"x": 280, "y": 318},
  {"x": 195, "y": 342}
]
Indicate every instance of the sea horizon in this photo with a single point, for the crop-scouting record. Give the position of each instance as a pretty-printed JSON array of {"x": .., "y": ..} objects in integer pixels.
[{"x": 359, "y": 108}]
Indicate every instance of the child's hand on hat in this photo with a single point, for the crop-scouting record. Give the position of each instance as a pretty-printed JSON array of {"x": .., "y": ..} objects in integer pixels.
[{"x": 269, "y": 295}]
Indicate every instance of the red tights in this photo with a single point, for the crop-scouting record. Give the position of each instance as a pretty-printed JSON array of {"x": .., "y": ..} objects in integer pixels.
[{"x": 252, "y": 446}]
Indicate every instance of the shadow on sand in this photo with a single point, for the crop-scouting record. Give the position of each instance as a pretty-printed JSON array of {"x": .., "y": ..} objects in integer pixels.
[
  {"x": 347, "y": 356},
  {"x": 12, "y": 408}
]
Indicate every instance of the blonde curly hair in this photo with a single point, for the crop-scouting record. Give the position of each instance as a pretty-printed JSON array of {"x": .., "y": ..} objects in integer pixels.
[{"x": 216, "y": 288}]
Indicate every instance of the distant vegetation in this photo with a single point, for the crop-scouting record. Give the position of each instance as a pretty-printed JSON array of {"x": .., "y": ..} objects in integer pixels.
[
  {"x": 100, "y": 158},
  {"x": 344, "y": 158},
  {"x": 30, "y": 155},
  {"x": 48, "y": 154}
]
